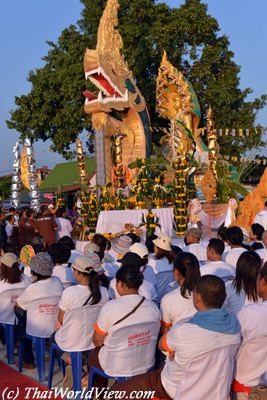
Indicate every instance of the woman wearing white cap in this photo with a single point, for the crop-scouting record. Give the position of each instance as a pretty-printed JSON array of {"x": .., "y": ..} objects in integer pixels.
[
  {"x": 11, "y": 276},
  {"x": 161, "y": 262},
  {"x": 87, "y": 298}
]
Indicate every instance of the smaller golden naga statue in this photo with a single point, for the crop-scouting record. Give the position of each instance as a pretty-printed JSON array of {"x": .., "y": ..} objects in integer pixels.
[
  {"x": 252, "y": 203},
  {"x": 81, "y": 164},
  {"x": 177, "y": 101}
]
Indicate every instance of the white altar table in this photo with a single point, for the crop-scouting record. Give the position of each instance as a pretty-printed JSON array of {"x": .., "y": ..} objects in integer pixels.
[{"x": 114, "y": 221}]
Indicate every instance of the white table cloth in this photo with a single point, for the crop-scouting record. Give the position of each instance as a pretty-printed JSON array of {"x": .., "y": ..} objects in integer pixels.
[{"x": 114, "y": 221}]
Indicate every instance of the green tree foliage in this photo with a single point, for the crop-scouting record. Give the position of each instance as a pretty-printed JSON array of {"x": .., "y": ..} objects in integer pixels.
[
  {"x": 5, "y": 185},
  {"x": 54, "y": 107}
]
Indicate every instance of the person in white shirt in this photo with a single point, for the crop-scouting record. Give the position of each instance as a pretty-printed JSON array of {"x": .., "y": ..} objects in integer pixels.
[
  {"x": 44, "y": 286},
  {"x": 161, "y": 262},
  {"x": 12, "y": 283},
  {"x": 216, "y": 266},
  {"x": 235, "y": 239},
  {"x": 177, "y": 306},
  {"x": 63, "y": 224},
  {"x": 147, "y": 289},
  {"x": 60, "y": 256},
  {"x": 255, "y": 236},
  {"x": 10, "y": 222},
  {"x": 126, "y": 331},
  {"x": 76, "y": 335},
  {"x": 242, "y": 290},
  {"x": 263, "y": 252},
  {"x": 105, "y": 246},
  {"x": 251, "y": 360},
  {"x": 142, "y": 251},
  {"x": 211, "y": 329},
  {"x": 222, "y": 235},
  {"x": 261, "y": 217},
  {"x": 193, "y": 245},
  {"x": 11, "y": 276},
  {"x": 67, "y": 241}
]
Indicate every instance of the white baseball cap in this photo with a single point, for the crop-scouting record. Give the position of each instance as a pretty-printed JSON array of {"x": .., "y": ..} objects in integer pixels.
[{"x": 139, "y": 249}]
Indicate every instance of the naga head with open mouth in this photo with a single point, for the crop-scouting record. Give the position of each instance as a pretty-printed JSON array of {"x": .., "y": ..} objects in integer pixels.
[{"x": 107, "y": 70}]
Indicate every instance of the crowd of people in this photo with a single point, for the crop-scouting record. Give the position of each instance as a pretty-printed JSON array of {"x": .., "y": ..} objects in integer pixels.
[{"x": 186, "y": 320}]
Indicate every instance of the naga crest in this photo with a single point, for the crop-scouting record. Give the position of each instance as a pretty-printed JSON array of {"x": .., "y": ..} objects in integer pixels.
[
  {"x": 107, "y": 69},
  {"x": 176, "y": 98}
]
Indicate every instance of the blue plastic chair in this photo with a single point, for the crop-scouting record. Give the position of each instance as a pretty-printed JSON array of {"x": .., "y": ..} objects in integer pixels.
[
  {"x": 76, "y": 363},
  {"x": 39, "y": 344},
  {"x": 95, "y": 371},
  {"x": 9, "y": 335}
]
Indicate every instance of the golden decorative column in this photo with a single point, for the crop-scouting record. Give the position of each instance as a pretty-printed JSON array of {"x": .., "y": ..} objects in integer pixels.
[{"x": 81, "y": 164}]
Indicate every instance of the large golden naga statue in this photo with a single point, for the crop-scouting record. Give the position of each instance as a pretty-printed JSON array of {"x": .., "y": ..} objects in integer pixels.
[
  {"x": 252, "y": 203},
  {"x": 177, "y": 101},
  {"x": 108, "y": 71}
]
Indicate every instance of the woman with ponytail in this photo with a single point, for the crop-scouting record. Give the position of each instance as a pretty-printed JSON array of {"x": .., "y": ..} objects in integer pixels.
[
  {"x": 177, "y": 306},
  {"x": 86, "y": 270},
  {"x": 79, "y": 307}
]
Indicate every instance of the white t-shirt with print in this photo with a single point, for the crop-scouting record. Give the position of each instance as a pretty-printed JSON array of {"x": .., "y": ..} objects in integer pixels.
[
  {"x": 76, "y": 296},
  {"x": 231, "y": 257},
  {"x": 9, "y": 293},
  {"x": 234, "y": 302},
  {"x": 220, "y": 269},
  {"x": 64, "y": 227},
  {"x": 146, "y": 289},
  {"x": 132, "y": 342},
  {"x": 65, "y": 274},
  {"x": 41, "y": 289},
  {"x": 19, "y": 285},
  {"x": 188, "y": 341},
  {"x": 198, "y": 250},
  {"x": 76, "y": 332},
  {"x": 252, "y": 354},
  {"x": 175, "y": 308}
]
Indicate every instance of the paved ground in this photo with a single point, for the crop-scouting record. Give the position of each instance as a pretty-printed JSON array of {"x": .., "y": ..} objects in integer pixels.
[{"x": 33, "y": 373}]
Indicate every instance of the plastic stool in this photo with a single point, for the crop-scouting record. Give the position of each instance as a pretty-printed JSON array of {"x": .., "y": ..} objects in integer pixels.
[
  {"x": 9, "y": 335},
  {"x": 95, "y": 371},
  {"x": 39, "y": 344},
  {"x": 76, "y": 364}
]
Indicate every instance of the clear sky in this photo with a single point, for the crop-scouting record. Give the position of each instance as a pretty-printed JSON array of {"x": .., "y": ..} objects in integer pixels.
[{"x": 26, "y": 25}]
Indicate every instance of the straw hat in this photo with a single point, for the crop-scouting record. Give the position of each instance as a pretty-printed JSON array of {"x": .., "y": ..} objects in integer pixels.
[
  {"x": 163, "y": 242},
  {"x": 122, "y": 244}
]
